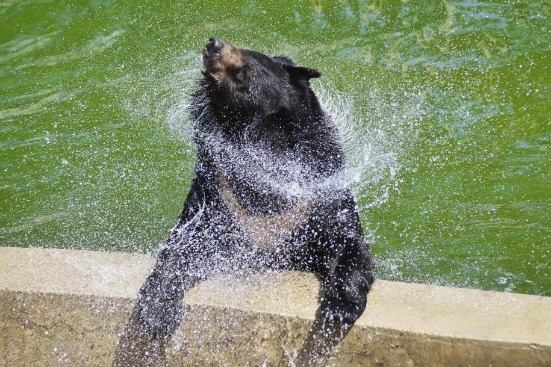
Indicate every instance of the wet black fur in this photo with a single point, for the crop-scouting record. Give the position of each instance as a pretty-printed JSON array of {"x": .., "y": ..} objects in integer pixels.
[{"x": 265, "y": 106}]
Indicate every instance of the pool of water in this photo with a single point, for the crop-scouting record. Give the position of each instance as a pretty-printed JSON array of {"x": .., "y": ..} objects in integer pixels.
[{"x": 444, "y": 107}]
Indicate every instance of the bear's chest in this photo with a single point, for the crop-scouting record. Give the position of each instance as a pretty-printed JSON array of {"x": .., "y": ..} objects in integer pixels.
[{"x": 265, "y": 231}]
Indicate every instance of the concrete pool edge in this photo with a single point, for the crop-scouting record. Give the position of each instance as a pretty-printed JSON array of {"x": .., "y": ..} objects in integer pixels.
[{"x": 66, "y": 307}]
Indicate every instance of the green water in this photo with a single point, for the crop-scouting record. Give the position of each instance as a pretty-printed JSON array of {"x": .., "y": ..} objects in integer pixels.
[{"x": 451, "y": 98}]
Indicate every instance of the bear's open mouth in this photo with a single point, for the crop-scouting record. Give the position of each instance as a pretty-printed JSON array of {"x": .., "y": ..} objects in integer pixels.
[{"x": 203, "y": 65}]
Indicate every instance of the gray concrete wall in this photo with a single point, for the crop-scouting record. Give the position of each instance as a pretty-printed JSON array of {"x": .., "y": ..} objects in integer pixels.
[{"x": 66, "y": 308}]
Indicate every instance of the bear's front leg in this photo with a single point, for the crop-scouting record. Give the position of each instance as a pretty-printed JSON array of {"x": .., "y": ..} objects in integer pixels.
[
  {"x": 157, "y": 313},
  {"x": 342, "y": 300},
  {"x": 346, "y": 280},
  {"x": 180, "y": 265}
]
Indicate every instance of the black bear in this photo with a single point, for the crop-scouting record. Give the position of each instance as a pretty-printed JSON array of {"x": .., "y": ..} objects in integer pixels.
[{"x": 268, "y": 193}]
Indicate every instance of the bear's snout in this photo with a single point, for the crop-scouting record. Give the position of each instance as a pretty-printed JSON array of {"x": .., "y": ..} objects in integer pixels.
[
  {"x": 218, "y": 57},
  {"x": 214, "y": 47}
]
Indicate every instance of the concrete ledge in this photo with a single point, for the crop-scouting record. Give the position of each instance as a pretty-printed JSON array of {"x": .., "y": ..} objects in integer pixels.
[{"x": 66, "y": 308}]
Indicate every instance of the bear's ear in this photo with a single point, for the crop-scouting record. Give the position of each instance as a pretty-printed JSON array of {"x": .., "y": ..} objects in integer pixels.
[{"x": 300, "y": 72}]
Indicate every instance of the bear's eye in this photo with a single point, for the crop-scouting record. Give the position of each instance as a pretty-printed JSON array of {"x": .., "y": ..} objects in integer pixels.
[{"x": 241, "y": 76}]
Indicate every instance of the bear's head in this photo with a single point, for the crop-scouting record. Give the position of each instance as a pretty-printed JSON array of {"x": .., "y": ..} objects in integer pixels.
[
  {"x": 245, "y": 84},
  {"x": 257, "y": 103}
]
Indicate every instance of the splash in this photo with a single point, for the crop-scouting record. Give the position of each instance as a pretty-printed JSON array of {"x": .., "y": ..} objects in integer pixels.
[{"x": 374, "y": 143}]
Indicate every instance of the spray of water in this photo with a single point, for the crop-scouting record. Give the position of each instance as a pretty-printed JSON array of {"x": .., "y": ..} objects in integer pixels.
[
  {"x": 375, "y": 141},
  {"x": 374, "y": 144}
]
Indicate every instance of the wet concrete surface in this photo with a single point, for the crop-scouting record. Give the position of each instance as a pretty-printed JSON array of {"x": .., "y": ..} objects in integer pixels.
[{"x": 66, "y": 307}]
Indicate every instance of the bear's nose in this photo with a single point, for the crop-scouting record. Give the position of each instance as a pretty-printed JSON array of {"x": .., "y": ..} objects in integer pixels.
[{"x": 214, "y": 46}]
